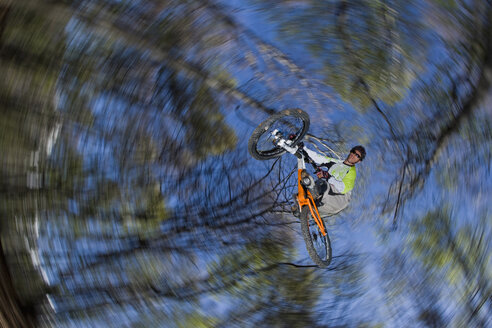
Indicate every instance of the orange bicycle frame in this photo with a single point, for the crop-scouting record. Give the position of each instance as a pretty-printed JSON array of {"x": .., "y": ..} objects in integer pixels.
[{"x": 304, "y": 198}]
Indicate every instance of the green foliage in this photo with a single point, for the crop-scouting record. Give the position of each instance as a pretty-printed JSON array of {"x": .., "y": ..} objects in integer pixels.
[
  {"x": 370, "y": 41},
  {"x": 458, "y": 254},
  {"x": 208, "y": 132},
  {"x": 196, "y": 320},
  {"x": 139, "y": 92},
  {"x": 252, "y": 276},
  {"x": 101, "y": 180}
]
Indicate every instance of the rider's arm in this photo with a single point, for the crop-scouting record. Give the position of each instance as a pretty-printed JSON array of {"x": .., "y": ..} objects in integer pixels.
[
  {"x": 346, "y": 184},
  {"x": 318, "y": 158},
  {"x": 337, "y": 185}
]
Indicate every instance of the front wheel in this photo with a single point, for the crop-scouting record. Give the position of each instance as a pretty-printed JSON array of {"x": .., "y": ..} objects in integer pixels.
[
  {"x": 291, "y": 122},
  {"x": 318, "y": 246}
]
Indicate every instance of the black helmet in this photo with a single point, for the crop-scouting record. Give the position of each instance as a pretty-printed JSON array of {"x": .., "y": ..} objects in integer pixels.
[{"x": 361, "y": 150}]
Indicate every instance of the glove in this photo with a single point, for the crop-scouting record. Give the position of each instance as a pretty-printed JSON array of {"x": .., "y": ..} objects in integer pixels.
[{"x": 321, "y": 174}]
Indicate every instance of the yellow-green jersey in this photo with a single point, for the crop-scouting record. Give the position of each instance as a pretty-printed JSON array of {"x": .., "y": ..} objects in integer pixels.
[{"x": 342, "y": 175}]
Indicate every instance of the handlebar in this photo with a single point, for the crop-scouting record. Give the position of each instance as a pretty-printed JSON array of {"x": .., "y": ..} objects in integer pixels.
[
  {"x": 296, "y": 150},
  {"x": 308, "y": 159}
]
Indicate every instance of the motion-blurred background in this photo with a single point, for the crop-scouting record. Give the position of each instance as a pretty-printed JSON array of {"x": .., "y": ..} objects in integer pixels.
[{"x": 128, "y": 197}]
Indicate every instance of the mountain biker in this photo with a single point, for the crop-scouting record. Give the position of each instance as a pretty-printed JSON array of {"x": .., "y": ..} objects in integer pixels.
[{"x": 333, "y": 188}]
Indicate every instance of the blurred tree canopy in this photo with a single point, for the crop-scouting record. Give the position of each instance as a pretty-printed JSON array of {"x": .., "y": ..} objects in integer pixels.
[
  {"x": 440, "y": 250},
  {"x": 127, "y": 191}
]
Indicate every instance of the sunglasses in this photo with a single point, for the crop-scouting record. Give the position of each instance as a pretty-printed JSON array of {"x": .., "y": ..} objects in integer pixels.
[{"x": 358, "y": 156}]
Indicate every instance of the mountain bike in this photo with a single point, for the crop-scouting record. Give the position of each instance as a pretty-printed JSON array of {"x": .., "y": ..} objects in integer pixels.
[{"x": 282, "y": 133}]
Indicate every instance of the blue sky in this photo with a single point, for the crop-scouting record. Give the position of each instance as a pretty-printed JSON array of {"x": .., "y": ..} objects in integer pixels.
[{"x": 357, "y": 229}]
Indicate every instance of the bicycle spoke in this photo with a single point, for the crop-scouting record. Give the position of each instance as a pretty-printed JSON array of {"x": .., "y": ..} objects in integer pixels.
[
  {"x": 319, "y": 242},
  {"x": 289, "y": 122},
  {"x": 287, "y": 126}
]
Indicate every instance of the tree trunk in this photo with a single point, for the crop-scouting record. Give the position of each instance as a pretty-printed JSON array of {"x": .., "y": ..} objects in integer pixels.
[{"x": 11, "y": 315}]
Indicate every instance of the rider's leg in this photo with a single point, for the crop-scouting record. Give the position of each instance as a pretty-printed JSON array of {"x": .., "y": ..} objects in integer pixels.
[
  {"x": 316, "y": 188},
  {"x": 333, "y": 203},
  {"x": 320, "y": 187}
]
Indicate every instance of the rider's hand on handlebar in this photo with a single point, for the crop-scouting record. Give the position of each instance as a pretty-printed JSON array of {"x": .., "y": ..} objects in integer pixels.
[
  {"x": 321, "y": 174},
  {"x": 292, "y": 137}
]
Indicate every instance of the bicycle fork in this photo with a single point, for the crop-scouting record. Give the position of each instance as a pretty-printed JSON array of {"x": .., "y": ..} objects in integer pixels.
[{"x": 304, "y": 197}]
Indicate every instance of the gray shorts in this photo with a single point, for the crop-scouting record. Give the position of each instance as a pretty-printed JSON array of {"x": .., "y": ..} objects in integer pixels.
[{"x": 333, "y": 203}]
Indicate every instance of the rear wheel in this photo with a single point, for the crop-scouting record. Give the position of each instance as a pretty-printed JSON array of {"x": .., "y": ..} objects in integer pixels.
[
  {"x": 318, "y": 246},
  {"x": 290, "y": 122}
]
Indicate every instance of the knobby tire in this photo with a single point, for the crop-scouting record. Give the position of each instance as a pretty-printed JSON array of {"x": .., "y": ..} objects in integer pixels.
[
  {"x": 265, "y": 126},
  {"x": 323, "y": 259}
]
